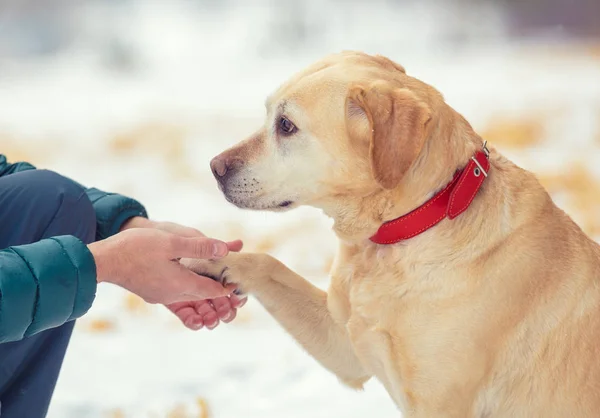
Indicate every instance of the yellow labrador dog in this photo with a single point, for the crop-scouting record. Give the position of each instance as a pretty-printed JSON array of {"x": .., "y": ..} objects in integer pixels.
[{"x": 458, "y": 283}]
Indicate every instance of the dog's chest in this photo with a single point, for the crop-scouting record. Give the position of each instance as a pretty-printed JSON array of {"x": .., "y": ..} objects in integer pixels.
[
  {"x": 369, "y": 308},
  {"x": 377, "y": 353},
  {"x": 400, "y": 330}
]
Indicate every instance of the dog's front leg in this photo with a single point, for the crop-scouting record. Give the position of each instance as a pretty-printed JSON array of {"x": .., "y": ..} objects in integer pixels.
[{"x": 299, "y": 306}]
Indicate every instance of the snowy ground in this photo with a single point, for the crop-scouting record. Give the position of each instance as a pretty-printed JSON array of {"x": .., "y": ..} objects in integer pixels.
[{"x": 198, "y": 87}]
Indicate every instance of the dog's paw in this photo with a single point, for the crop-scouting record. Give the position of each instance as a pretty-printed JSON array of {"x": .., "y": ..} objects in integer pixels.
[
  {"x": 214, "y": 269},
  {"x": 241, "y": 270}
]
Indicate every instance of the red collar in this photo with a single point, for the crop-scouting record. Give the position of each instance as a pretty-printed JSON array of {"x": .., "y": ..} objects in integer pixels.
[{"x": 453, "y": 200}]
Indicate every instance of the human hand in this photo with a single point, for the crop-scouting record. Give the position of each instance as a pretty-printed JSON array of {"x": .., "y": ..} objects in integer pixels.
[
  {"x": 145, "y": 262},
  {"x": 208, "y": 313},
  {"x": 196, "y": 314}
]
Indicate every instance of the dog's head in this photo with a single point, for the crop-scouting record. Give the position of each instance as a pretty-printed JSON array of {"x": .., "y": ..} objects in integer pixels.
[{"x": 349, "y": 125}]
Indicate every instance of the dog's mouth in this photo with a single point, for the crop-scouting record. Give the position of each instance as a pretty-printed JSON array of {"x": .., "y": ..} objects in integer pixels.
[
  {"x": 243, "y": 202},
  {"x": 280, "y": 207},
  {"x": 248, "y": 193}
]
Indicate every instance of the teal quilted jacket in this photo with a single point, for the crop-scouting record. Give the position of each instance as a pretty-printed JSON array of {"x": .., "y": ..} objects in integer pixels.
[{"x": 53, "y": 281}]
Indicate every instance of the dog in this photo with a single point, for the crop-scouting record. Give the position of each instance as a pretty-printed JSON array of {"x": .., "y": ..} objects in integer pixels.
[{"x": 458, "y": 283}]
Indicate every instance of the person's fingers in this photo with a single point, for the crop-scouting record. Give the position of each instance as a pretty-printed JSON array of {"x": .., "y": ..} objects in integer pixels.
[
  {"x": 206, "y": 248},
  {"x": 186, "y": 312},
  {"x": 174, "y": 307},
  {"x": 236, "y": 245},
  {"x": 237, "y": 301},
  {"x": 203, "y": 307},
  {"x": 223, "y": 308},
  {"x": 207, "y": 311},
  {"x": 231, "y": 317}
]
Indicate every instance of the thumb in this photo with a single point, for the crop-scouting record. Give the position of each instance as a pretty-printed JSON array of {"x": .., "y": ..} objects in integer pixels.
[
  {"x": 235, "y": 246},
  {"x": 198, "y": 247}
]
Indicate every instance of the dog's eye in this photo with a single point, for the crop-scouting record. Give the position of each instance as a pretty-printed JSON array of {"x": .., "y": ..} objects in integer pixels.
[{"x": 286, "y": 127}]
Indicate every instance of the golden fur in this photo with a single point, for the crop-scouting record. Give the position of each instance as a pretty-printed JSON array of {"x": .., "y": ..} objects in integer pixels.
[{"x": 493, "y": 314}]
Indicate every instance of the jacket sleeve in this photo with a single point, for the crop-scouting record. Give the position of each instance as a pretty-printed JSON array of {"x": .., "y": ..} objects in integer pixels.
[
  {"x": 112, "y": 209},
  {"x": 44, "y": 285},
  {"x": 6, "y": 168}
]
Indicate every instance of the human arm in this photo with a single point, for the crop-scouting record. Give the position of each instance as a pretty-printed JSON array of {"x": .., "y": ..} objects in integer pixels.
[
  {"x": 53, "y": 281},
  {"x": 43, "y": 285},
  {"x": 8, "y": 168},
  {"x": 112, "y": 209},
  {"x": 116, "y": 213}
]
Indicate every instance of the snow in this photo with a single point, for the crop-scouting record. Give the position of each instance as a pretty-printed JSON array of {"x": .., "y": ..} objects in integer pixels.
[{"x": 191, "y": 82}]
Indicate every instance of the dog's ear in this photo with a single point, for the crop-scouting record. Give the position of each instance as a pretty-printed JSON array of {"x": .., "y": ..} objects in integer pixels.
[{"x": 397, "y": 120}]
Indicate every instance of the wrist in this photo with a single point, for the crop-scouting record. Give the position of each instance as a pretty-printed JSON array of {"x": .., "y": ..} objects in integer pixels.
[
  {"x": 102, "y": 267},
  {"x": 136, "y": 222}
]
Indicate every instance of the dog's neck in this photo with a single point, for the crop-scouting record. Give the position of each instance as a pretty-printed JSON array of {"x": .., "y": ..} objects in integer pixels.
[{"x": 450, "y": 144}]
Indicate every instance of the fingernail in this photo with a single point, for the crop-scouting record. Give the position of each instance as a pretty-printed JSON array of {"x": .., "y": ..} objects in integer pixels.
[
  {"x": 193, "y": 324},
  {"x": 219, "y": 249},
  {"x": 242, "y": 302},
  {"x": 212, "y": 325},
  {"x": 227, "y": 316}
]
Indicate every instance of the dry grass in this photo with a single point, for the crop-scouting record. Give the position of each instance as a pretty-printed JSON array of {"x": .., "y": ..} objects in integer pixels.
[
  {"x": 36, "y": 153},
  {"x": 166, "y": 140},
  {"x": 155, "y": 137},
  {"x": 179, "y": 411},
  {"x": 135, "y": 304},
  {"x": 201, "y": 410},
  {"x": 115, "y": 413},
  {"x": 99, "y": 325},
  {"x": 594, "y": 50},
  {"x": 583, "y": 193},
  {"x": 515, "y": 132},
  {"x": 565, "y": 50}
]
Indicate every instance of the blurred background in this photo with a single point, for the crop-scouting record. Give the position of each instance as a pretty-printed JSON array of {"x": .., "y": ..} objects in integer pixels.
[{"x": 136, "y": 96}]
